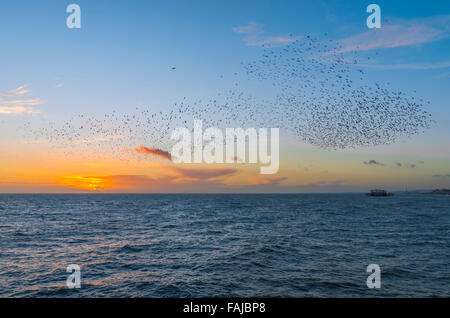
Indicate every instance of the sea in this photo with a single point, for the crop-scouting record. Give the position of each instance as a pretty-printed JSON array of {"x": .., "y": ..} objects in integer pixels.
[{"x": 224, "y": 245}]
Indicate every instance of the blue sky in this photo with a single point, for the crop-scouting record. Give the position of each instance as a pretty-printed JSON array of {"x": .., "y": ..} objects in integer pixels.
[
  {"x": 129, "y": 49},
  {"x": 122, "y": 56}
]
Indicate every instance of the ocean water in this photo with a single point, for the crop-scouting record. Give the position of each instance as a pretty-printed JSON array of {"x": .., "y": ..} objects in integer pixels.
[{"x": 195, "y": 245}]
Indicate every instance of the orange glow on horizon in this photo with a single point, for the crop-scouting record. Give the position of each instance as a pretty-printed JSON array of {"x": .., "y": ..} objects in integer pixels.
[{"x": 90, "y": 183}]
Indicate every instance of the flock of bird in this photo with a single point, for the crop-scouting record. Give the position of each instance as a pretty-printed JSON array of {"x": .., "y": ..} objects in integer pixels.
[
  {"x": 310, "y": 89},
  {"x": 326, "y": 99}
]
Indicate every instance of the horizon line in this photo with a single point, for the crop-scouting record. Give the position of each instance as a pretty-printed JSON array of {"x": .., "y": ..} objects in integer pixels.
[{"x": 203, "y": 193}]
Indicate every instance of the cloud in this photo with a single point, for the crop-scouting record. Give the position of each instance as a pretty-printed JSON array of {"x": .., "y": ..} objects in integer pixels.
[
  {"x": 21, "y": 90},
  {"x": 373, "y": 162},
  {"x": 161, "y": 184},
  {"x": 99, "y": 139},
  {"x": 175, "y": 179},
  {"x": 249, "y": 28},
  {"x": 409, "y": 165},
  {"x": 267, "y": 181},
  {"x": 443, "y": 75},
  {"x": 12, "y": 102},
  {"x": 189, "y": 174},
  {"x": 321, "y": 186},
  {"x": 254, "y": 36},
  {"x": 441, "y": 176},
  {"x": 154, "y": 151},
  {"x": 326, "y": 183},
  {"x": 402, "y": 33},
  {"x": 412, "y": 66}
]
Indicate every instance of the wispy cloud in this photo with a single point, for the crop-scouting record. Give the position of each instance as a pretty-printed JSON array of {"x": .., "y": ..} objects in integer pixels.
[
  {"x": 441, "y": 176},
  {"x": 267, "y": 181},
  {"x": 13, "y": 102},
  {"x": 154, "y": 151},
  {"x": 443, "y": 75},
  {"x": 99, "y": 139},
  {"x": 202, "y": 173},
  {"x": 21, "y": 90},
  {"x": 401, "y": 33},
  {"x": 409, "y": 66},
  {"x": 373, "y": 163},
  {"x": 326, "y": 183},
  {"x": 254, "y": 36},
  {"x": 173, "y": 179},
  {"x": 59, "y": 83},
  {"x": 409, "y": 165}
]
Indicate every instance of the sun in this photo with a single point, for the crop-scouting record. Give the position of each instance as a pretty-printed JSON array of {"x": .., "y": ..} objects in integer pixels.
[{"x": 90, "y": 183}]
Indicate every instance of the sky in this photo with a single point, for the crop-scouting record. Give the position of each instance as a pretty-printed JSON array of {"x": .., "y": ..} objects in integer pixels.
[{"x": 152, "y": 54}]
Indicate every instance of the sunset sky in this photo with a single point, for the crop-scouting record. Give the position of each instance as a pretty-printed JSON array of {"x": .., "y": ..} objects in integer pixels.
[{"x": 152, "y": 54}]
